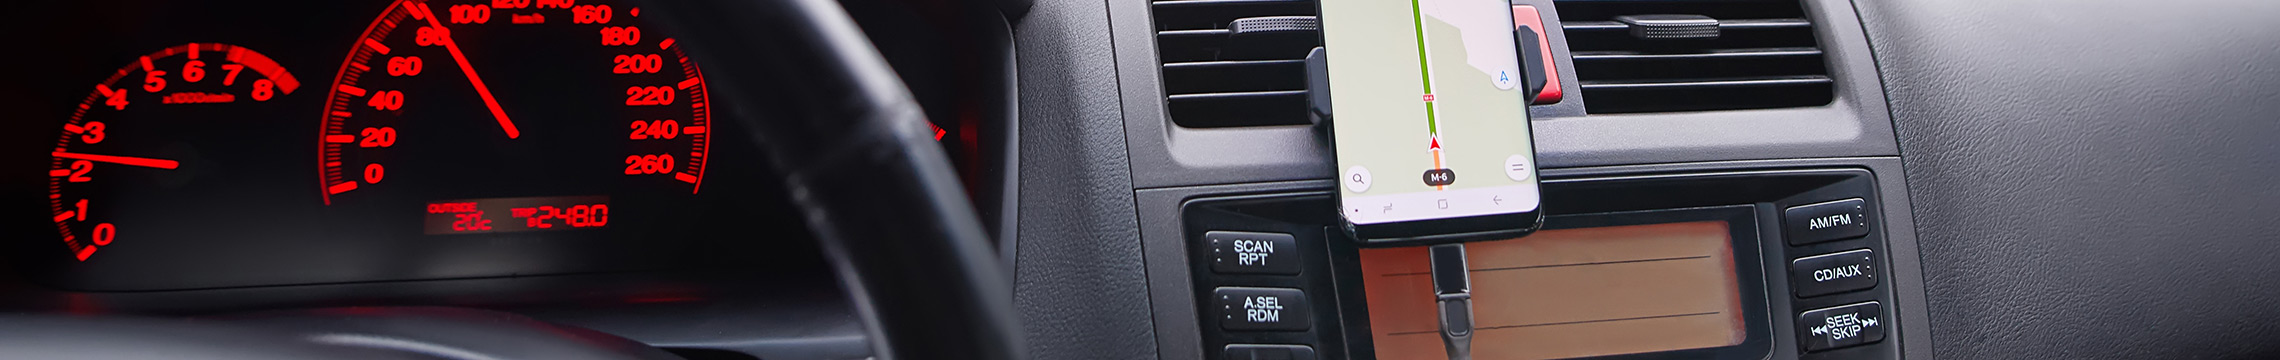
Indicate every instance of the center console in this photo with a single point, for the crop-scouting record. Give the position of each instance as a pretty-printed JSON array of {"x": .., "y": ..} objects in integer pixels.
[
  {"x": 1742, "y": 229},
  {"x": 1750, "y": 263}
]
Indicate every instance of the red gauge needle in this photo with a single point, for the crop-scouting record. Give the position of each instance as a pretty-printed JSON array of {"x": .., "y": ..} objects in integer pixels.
[
  {"x": 121, "y": 160},
  {"x": 480, "y": 89}
]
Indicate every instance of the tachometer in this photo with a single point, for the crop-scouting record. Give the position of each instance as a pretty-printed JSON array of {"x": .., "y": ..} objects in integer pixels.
[
  {"x": 136, "y": 151},
  {"x": 441, "y": 101}
]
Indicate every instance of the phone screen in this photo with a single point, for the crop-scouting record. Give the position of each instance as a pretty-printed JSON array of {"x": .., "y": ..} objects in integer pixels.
[{"x": 1432, "y": 116}]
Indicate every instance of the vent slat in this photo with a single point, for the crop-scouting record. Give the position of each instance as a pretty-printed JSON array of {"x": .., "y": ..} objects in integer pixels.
[
  {"x": 1765, "y": 56},
  {"x": 1234, "y": 76},
  {"x": 1711, "y": 54},
  {"x": 1197, "y": 33},
  {"x": 1704, "y": 95},
  {"x": 1704, "y": 84},
  {"x": 1229, "y": 64},
  {"x": 1225, "y": 96},
  {"x": 1723, "y": 24},
  {"x": 1214, "y": 14},
  {"x": 1236, "y": 109}
]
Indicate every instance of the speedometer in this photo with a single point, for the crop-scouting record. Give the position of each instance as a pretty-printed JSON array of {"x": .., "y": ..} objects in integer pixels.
[{"x": 514, "y": 115}]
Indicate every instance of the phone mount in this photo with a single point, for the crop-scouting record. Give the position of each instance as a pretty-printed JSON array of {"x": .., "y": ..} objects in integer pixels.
[
  {"x": 1452, "y": 281},
  {"x": 1317, "y": 86}
]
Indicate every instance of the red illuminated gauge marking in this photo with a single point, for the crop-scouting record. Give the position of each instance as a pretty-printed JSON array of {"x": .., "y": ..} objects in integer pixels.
[
  {"x": 625, "y": 110},
  {"x": 115, "y": 140}
]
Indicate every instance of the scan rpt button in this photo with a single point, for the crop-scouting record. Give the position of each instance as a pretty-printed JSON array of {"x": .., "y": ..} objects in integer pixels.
[{"x": 1238, "y": 252}]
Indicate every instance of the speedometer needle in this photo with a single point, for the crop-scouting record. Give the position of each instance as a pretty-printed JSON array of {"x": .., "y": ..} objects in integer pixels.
[
  {"x": 121, "y": 160},
  {"x": 485, "y": 91}
]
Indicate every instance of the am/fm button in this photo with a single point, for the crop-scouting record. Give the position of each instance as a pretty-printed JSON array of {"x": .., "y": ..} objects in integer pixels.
[{"x": 1834, "y": 220}]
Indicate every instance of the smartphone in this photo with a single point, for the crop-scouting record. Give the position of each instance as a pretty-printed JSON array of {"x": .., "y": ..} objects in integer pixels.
[{"x": 1430, "y": 128}]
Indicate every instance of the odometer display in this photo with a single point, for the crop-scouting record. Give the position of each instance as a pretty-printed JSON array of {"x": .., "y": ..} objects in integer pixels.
[
  {"x": 488, "y": 99},
  {"x": 517, "y": 214}
]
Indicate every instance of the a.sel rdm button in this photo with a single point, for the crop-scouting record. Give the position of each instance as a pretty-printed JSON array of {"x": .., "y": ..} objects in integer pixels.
[
  {"x": 1267, "y": 352},
  {"x": 1841, "y": 326},
  {"x": 1236, "y": 252},
  {"x": 1250, "y": 309},
  {"x": 1834, "y": 220},
  {"x": 1833, "y": 273}
]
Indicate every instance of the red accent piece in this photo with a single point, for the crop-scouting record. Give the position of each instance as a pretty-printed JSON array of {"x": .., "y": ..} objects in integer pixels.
[{"x": 1526, "y": 15}]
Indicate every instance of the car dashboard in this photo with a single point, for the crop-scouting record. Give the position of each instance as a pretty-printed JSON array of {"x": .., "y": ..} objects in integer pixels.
[{"x": 1814, "y": 179}]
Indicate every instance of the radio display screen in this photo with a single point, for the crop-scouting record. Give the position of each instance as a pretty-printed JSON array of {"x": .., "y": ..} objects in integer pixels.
[{"x": 1592, "y": 291}]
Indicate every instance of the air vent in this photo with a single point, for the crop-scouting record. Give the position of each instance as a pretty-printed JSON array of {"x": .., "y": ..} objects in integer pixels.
[
  {"x": 1763, "y": 56},
  {"x": 1234, "y": 63}
]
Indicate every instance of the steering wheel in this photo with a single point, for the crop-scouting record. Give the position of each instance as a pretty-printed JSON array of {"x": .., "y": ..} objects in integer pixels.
[{"x": 855, "y": 153}]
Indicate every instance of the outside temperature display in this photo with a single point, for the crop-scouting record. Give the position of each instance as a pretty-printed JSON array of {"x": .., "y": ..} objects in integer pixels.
[{"x": 517, "y": 214}]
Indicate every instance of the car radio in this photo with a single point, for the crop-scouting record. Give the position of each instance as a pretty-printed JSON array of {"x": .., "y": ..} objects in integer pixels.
[{"x": 1731, "y": 265}]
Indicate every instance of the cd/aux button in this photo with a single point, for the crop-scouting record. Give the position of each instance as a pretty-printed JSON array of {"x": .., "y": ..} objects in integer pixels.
[{"x": 1833, "y": 273}]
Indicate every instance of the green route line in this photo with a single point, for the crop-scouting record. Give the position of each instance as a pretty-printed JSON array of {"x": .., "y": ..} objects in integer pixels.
[{"x": 1432, "y": 126}]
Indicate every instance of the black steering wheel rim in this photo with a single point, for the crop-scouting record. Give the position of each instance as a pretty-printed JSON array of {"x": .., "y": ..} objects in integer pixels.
[{"x": 860, "y": 163}]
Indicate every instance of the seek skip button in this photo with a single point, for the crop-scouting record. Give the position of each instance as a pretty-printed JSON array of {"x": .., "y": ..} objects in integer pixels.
[
  {"x": 1236, "y": 252},
  {"x": 1841, "y": 326},
  {"x": 1833, "y": 273}
]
